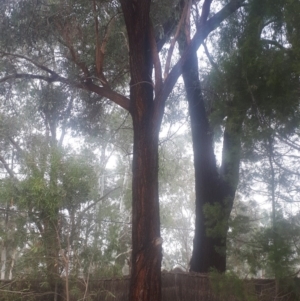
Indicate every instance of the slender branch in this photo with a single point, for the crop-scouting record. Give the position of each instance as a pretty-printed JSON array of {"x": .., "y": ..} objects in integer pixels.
[
  {"x": 156, "y": 61},
  {"x": 289, "y": 142},
  {"x": 76, "y": 60},
  {"x": 28, "y": 76},
  {"x": 16, "y": 145},
  {"x": 99, "y": 59},
  {"x": 95, "y": 202},
  {"x": 66, "y": 114},
  {"x": 117, "y": 98},
  {"x": 101, "y": 47},
  {"x": 88, "y": 85},
  {"x": 284, "y": 168},
  {"x": 37, "y": 221},
  {"x": 171, "y": 48},
  {"x": 274, "y": 43},
  {"x": 66, "y": 31},
  {"x": 6, "y": 166},
  {"x": 187, "y": 24},
  {"x": 23, "y": 154},
  {"x": 40, "y": 66},
  {"x": 214, "y": 65},
  {"x": 123, "y": 253}
]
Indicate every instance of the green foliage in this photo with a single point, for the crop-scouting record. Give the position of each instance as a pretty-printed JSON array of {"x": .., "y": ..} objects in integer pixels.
[
  {"x": 256, "y": 248},
  {"x": 176, "y": 191},
  {"x": 256, "y": 80},
  {"x": 229, "y": 285},
  {"x": 216, "y": 220}
]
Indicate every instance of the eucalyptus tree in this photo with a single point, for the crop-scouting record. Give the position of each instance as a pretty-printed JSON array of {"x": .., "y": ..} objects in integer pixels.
[
  {"x": 215, "y": 187},
  {"x": 56, "y": 227},
  {"x": 75, "y": 35},
  {"x": 274, "y": 165},
  {"x": 45, "y": 178},
  {"x": 254, "y": 77}
]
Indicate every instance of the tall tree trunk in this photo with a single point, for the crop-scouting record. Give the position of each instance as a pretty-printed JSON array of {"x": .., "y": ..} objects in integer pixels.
[
  {"x": 3, "y": 260},
  {"x": 145, "y": 281},
  {"x": 146, "y": 242},
  {"x": 51, "y": 246},
  {"x": 213, "y": 188}
]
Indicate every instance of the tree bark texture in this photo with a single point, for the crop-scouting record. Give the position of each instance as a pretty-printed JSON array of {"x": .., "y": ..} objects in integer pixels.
[
  {"x": 213, "y": 186},
  {"x": 145, "y": 281}
]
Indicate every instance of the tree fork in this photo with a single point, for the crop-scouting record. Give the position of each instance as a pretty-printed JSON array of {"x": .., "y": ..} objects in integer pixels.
[{"x": 211, "y": 187}]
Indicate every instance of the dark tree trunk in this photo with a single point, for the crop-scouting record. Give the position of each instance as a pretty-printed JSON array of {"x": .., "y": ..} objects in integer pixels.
[
  {"x": 213, "y": 187},
  {"x": 145, "y": 281}
]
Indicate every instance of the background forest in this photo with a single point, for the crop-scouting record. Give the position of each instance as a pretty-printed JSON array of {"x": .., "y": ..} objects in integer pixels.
[{"x": 66, "y": 150}]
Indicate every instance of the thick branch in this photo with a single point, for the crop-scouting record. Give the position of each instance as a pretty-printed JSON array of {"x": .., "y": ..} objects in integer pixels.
[
  {"x": 200, "y": 35},
  {"x": 205, "y": 12},
  {"x": 115, "y": 97}
]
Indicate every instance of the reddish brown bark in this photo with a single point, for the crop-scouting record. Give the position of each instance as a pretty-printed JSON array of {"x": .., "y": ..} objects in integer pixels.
[
  {"x": 146, "y": 243},
  {"x": 147, "y": 113}
]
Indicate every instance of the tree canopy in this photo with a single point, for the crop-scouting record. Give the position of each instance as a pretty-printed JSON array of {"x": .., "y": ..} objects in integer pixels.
[{"x": 84, "y": 68}]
